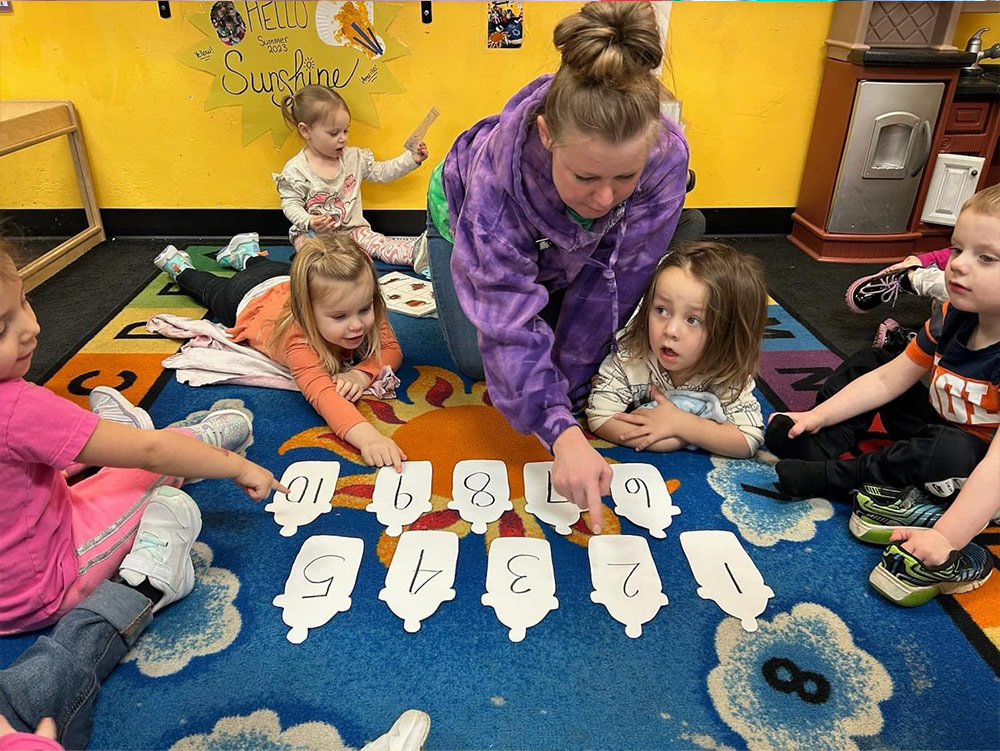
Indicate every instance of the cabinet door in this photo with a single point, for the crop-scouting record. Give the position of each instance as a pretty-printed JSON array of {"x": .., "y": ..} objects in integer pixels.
[{"x": 954, "y": 180}]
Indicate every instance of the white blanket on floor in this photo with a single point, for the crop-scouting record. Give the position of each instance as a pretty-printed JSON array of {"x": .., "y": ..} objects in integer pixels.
[{"x": 210, "y": 356}]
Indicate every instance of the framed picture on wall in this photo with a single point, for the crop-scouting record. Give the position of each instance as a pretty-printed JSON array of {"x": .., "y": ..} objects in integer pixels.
[{"x": 504, "y": 24}]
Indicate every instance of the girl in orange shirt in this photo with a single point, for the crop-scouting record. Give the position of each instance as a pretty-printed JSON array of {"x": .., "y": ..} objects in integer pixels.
[{"x": 323, "y": 318}]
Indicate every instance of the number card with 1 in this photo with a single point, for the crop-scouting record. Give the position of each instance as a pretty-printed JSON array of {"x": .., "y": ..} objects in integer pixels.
[
  {"x": 320, "y": 583},
  {"x": 421, "y": 576},
  {"x": 312, "y": 486},
  {"x": 480, "y": 492},
  {"x": 641, "y": 496},
  {"x": 520, "y": 583},
  {"x": 625, "y": 580},
  {"x": 726, "y": 574},
  {"x": 399, "y": 499},
  {"x": 544, "y": 502}
]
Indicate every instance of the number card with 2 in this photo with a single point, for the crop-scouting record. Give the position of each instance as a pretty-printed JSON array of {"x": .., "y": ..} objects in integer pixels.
[
  {"x": 312, "y": 485},
  {"x": 625, "y": 580}
]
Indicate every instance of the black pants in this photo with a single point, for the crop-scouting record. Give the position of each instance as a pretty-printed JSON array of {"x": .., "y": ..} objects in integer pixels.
[
  {"x": 927, "y": 452},
  {"x": 222, "y": 295}
]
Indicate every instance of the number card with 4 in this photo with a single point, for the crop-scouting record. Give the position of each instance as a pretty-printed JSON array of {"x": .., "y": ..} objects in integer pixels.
[{"x": 421, "y": 576}]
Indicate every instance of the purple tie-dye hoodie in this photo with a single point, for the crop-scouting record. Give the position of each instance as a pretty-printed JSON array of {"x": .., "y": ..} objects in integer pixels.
[{"x": 514, "y": 244}]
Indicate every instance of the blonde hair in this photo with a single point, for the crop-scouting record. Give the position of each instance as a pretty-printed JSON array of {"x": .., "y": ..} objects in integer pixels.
[
  {"x": 986, "y": 202},
  {"x": 311, "y": 104},
  {"x": 8, "y": 269},
  {"x": 322, "y": 258},
  {"x": 735, "y": 315},
  {"x": 605, "y": 85}
]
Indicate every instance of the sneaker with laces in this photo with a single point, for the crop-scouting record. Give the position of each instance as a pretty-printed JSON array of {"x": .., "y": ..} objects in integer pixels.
[
  {"x": 902, "y": 578},
  {"x": 161, "y": 552},
  {"x": 109, "y": 404},
  {"x": 868, "y": 292},
  {"x": 228, "y": 429},
  {"x": 173, "y": 261},
  {"x": 879, "y": 511},
  {"x": 241, "y": 248},
  {"x": 892, "y": 337}
]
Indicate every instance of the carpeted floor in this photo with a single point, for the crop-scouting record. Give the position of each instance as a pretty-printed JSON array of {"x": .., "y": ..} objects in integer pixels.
[{"x": 831, "y": 666}]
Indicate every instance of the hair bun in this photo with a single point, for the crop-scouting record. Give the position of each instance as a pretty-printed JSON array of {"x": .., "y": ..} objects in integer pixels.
[{"x": 610, "y": 43}]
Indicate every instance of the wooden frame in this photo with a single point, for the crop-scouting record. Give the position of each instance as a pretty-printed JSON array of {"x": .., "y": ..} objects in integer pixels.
[{"x": 26, "y": 123}]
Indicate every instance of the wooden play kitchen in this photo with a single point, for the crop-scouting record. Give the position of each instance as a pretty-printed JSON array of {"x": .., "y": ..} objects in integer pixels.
[{"x": 26, "y": 123}]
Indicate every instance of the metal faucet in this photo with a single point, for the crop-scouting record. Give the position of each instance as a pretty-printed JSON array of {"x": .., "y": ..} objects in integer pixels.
[{"x": 975, "y": 44}]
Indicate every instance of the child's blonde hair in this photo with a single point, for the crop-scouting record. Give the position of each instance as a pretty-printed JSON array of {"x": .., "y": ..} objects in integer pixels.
[
  {"x": 735, "y": 315},
  {"x": 986, "y": 202},
  {"x": 605, "y": 83},
  {"x": 311, "y": 104},
  {"x": 335, "y": 258},
  {"x": 8, "y": 269}
]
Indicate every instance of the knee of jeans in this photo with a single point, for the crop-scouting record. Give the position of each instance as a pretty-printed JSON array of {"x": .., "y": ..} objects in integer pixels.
[{"x": 471, "y": 364}]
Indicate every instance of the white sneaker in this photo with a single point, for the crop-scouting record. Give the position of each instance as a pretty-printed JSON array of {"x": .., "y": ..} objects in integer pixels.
[
  {"x": 228, "y": 429},
  {"x": 109, "y": 404},
  {"x": 408, "y": 733},
  {"x": 241, "y": 249},
  {"x": 162, "y": 549}
]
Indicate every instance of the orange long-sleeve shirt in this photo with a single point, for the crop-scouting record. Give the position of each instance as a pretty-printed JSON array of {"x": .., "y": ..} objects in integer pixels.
[{"x": 255, "y": 326}]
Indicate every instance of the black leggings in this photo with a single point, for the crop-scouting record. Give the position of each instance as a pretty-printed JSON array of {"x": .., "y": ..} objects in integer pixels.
[{"x": 222, "y": 295}]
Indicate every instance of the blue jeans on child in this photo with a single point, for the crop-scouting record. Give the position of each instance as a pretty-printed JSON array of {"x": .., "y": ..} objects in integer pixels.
[
  {"x": 59, "y": 676},
  {"x": 460, "y": 335}
]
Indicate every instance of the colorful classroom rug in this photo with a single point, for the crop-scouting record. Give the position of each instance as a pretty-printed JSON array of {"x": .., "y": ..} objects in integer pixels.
[{"x": 831, "y": 666}]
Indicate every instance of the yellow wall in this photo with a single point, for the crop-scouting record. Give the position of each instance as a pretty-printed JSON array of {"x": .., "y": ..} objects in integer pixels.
[{"x": 748, "y": 74}]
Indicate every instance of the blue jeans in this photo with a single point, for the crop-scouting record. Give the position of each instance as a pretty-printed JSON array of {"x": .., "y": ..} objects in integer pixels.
[
  {"x": 59, "y": 675},
  {"x": 459, "y": 334}
]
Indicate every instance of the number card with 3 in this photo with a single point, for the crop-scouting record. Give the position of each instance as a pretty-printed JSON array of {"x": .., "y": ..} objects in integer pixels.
[
  {"x": 520, "y": 583},
  {"x": 320, "y": 583}
]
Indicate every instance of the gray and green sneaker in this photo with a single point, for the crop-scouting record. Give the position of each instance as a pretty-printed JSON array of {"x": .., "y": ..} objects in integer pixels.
[
  {"x": 879, "y": 511},
  {"x": 906, "y": 581}
]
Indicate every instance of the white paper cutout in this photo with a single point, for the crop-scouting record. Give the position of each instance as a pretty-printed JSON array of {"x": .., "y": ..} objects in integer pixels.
[
  {"x": 320, "y": 583},
  {"x": 727, "y": 574},
  {"x": 312, "y": 485},
  {"x": 520, "y": 583},
  {"x": 544, "y": 502},
  {"x": 398, "y": 500},
  {"x": 641, "y": 496},
  {"x": 625, "y": 580},
  {"x": 480, "y": 492},
  {"x": 421, "y": 575}
]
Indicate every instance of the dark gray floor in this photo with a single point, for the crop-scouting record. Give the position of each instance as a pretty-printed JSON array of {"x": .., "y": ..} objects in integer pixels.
[{"x": 73, "y": 305}]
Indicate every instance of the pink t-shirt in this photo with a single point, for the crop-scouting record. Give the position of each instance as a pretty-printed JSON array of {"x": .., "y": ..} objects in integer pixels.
[{"x": 40, "y": 435}]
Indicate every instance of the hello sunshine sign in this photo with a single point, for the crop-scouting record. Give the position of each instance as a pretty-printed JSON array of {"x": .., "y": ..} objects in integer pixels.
[{"x": 258, "y": 52}]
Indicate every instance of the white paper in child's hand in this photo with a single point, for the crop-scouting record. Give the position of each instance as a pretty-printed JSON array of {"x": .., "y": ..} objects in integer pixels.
[
  {"x": 641, "y": 496},
  {"x": 320, "y": 583},
  {"x": 544, "y": 502},
  {"x": 480, "y": 491},
  {"x": 311, "y": 487},
  {"x": 421, "y": 575},
  {"x": 417, "y": 135},
  {"x": 727, "y": 574},
  {"x": 520, "y": 583},
  {"x": 625, "y": 580},
  {"x": 400, "y": 498}
]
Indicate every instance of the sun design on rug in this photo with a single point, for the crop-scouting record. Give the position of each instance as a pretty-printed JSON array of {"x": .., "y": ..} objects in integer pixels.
[{"x": 444, "y": 423}]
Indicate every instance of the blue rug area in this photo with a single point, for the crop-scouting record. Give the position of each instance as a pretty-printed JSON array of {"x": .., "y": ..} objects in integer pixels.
[{"x": 832, "y": 665}]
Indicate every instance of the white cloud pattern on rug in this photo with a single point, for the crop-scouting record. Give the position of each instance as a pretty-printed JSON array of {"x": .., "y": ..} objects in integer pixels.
[
  {"x": 761, "y": 519},
  {"x": 203, "y": 623},
  {"x": 261, "y": 730},
  {"x": 798, "y": 683}
]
